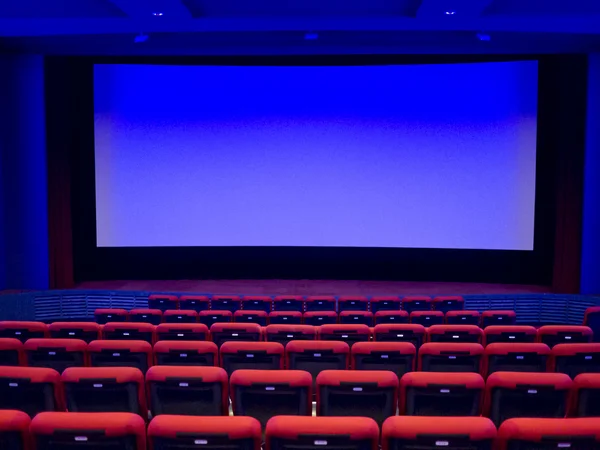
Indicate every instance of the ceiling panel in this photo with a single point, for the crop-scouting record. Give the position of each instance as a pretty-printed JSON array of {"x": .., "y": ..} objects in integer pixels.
[
  {"x": 544, "y": 7},
  {"x": 58, "y": 9}
]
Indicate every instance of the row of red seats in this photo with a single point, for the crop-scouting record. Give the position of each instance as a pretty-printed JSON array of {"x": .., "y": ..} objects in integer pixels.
[
  {"x": 262, "y": 394},
  {"x": 127, "y": 431}
]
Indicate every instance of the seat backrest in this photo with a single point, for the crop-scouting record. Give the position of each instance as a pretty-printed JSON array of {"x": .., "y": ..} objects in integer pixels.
[
  {"x": 463, "y": 317},
  {"x": 153, "y": 316},
  {"x": 257, "y": 303},
  {"x": 498, "y": 317},
  {"x": 106, "y": 315},
  {"x": 209, "y": 318},
  {"x": 129, "y": 331},
  {"x": 14, "y": 430},
  {"x": 180, "y": 316},
  {"x": 225, "y": 332},
  {"x": 345, "y": 333},
  {"x": 251, "y": 355},
  {"x": 320, "y": 303},
  {"x": 552, "y": 335},
  {"x": 427, "y": 318},
  {"x": 186, "y": 353},
  {"x": 120, "y": 354},
  {"x": 353, "y": 303},
  {"x": 23, "y": 330},
  {"x": 318, "y": 318},
  {"x": 509, "y": 334},
  {"x": 285, "y": 317},
  {"x": 288, "y": 303},
  {"x": 455, "y": 333},
  {"x": 358, "y": 317},
  {"x": 163, "y": 302},
  {"x": 412, "y": 303},
  {"x": 86, "y": 331},
  {"x": 447, "y": 303},
  {"x": 11, "y": 352},
  {"x": 226, "y": 302},
  {"x": 405, "y": 332},
  {"x": 251, "y": 316},
  {"x": 57, "y": 354},
  {"x": 391, "y": 316},
  {"x": 591, "y": 319},
  {"x": 398, "y": 357},
  {"x": 30, "y": 389},
  {"x": 385, "y": 303},
  {"x": 182, "y": 332},
  {"x": 196, "y": 302},
  {"x": 285, "y": 333},
  {"x": 527, "y": 357},
  {"x": 450, "y": 357},
  {"x": 316, "y": 356},
  {"x": 574, "y": 359},
  {"x": 585, "y": 401}
]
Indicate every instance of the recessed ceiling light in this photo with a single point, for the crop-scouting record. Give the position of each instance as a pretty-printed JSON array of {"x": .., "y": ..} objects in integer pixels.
[
  {"x": 157, "y": 14},
  {"x": 450, "y": 13}
]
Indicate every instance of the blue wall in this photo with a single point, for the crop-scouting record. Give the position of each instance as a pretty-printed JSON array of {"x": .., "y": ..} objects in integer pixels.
[{"x": 23, "y": 180}]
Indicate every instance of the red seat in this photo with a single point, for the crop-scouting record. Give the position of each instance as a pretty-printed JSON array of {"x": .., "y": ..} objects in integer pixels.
[
  {"x": 14, "y": 430},
  {"x": 592, "y": 319},
  {"x": 57, "y": 354},
  {"x": 391, "y": 316},
  {"x": 316, "y": 356},
  {"x": 430, "y": 433},
  {"x": 266, "y": 393},
  {"x": 574, "y": 359},
  {"x": 285, "y": 317},
  {"x": 450, "y": 357},
  {"x": 367, "y": 393},
  {"x": 285, "y": 333},
  {"x": 288, "y": 303},
  {"x": 509, "y": 334},
  {"x": 318, "y": 318},
  {"x": 105, "y": 389},
  {"x": 163, "y": 302},
  {"x": 251, "y": 355},
  {"x": 226, "y": 302},
  {"x": 575, "y": 434},
  {"x": 30, "y": 389},
  {"x": 441, "y": 394},
  {"x": 120, "y": 354},
  {"x": 412, "y": 303},
  {"x": 564, "y": 334},
  {"x": 180, "y": 316},
  {"x": 251, "y": 316},
  {"x": 320, "y": 303},
  {"x": 398, "y": 357},
  {"x": 389, "y": 303},
  {"x": 503, "y": 357},
  {"x": 11, "y": 352},
  {"x": 212, "y": 433},
  {"x": 498, "y": 317},
  {"x": 257, "y": 303},
  {"x": 105, "y": 315},
  {"x": 345, "y": 333},
  {"x": 188, "y": 391},
  {"x": 358, "y": 317},
  {"x": 448, "y": 303},
  {"x": 585, "y": 399},
  {"x": 129, "y": 331},
  {"x": 182, "y": 332},
  {"x": 464, "y": 317},
  {"x": 209, "y": 318},
  {"x": 186, "y": 353},
  {"x": 86, "y": 331},
  {"x": 353, "y": 303},
  {"x": 526, "y": 394},
  {"x": 455, "y": 333},
  {"x": 312, "y": 433},
  {"x": 194, "y": 302},
  {"x": 224, "y": 332},
  {"x": 70, "y": 430},
  {"x": 409, "y": 332},
  {"x": 427, "y": 318},
  {"x": 23, "y": 330},
  {"x": 153, "y": 316}
]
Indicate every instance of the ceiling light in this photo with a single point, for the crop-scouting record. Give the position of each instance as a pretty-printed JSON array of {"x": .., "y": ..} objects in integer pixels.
[
  {"x": 450, "y": 13},
  {"x": 157, "y": 14}
]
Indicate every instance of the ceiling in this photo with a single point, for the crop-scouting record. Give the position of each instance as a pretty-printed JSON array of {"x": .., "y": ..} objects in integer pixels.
[{"x": 188, "y": 27}]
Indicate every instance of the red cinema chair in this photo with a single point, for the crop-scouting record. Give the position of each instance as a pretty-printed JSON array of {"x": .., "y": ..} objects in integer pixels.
[
  {"x": 11, "y": 352},
  {"x": 285, "y": 318},
  {"x": 251, "y": 355},
  {"x": 86, "y": 331},
  {"x": 136, "y": 354},
  {"x": 450, "y": 357},
  {"x": 455, "y": 333},
  {"x": 106, "y": 315},
  {"x": 188, "y": 391},
  {"x": 257, "y": 303},
  {"x": 226, "y": 303},
  {"x": 437, "y": 394},
  {"x": 186, "y": 353},
  {"x": 83, "y": 431},
  {"x": 526, "y": 394},
  {"x": 30, "y": 389},
  {"x": 404, "y": 332},
  {"x": 163, "y": 302},
  {"x": 552, "y": 335},
  {"x": 267, "y": 393},
  {"x": 57, "y": 354},
  {"x": 180, "y": 316},
  {"x": 182, "y": 332},
  {"x": 153, "y": 316},
  {"x": 286, "y": 333},
  {"x": 465, "y": 317},
  {"x": 585, "y": 400},
  {"x": 592, "y": 319},
  {"x": 356, "y": 317},
  {"x": 427, "y": 318},
  {"x": 397, "y": 357},
  {"x": 312, "y": 433},
  {"x": 345, "y": 333},
  {"x": 209, "y": 318},
  {"x": 412, "y": 303},
  {"x": 318, "y": 318},
  {"x": 353, "y": 303},
  {"x": 513, "y": 334},
  {"x": 389, "y": 303},
  {"x": 194, "y": 302},
  {"x": 387, "y": 316},
  {"x": 225, "y": 332},
  {"x": 23, "y": 330},
  {"x": 211, "y": 433},
  {"x": 105, "y": 389},
  {"x": 316, "y": 356},
  {"x": 366, "y": 393},
  {"x": 14, "y": 430},
  {"x": 430, "y": 433},
  {"x": 498, "y": 317},
  {"x": 251, "y": 316},
  {"x": 288, "y": 303},
  {"x": 502, "y": 357},
  {"x": 129, "y": 331},
  {"x": 448, "y": 303},
  {"x": 528, "y": 433},
  {"x": 320, "y": 303},
  {"x": 574, "y": 359}
]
